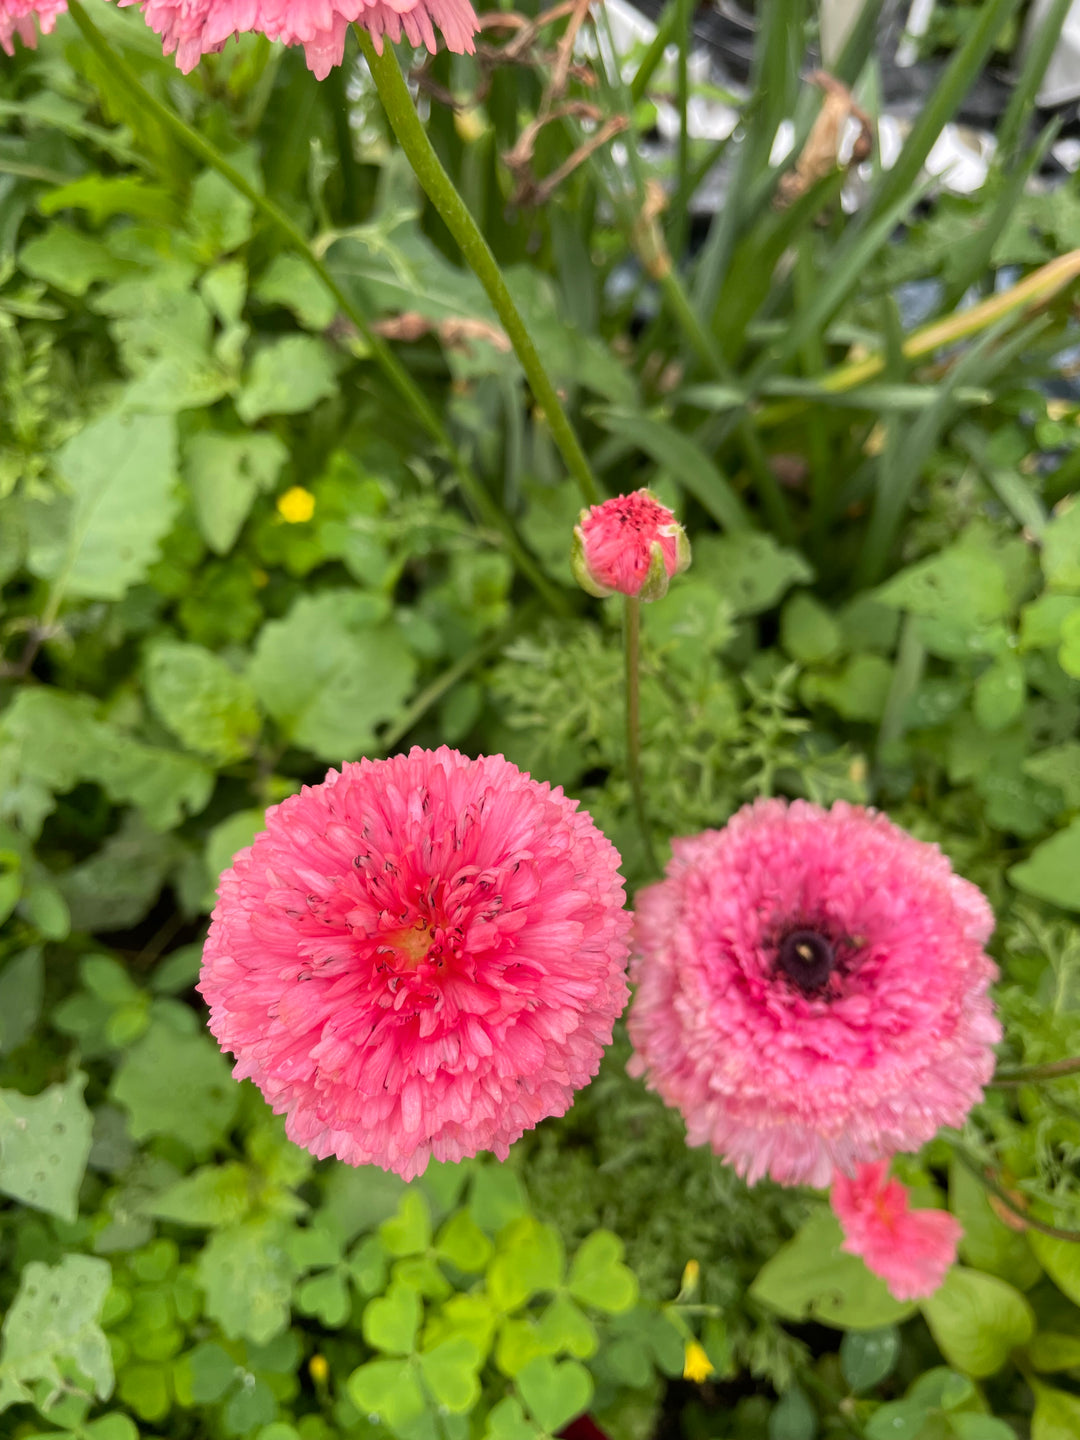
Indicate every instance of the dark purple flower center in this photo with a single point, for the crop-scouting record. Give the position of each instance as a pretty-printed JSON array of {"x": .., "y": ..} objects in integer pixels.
[{"x": 807, "y": 958}]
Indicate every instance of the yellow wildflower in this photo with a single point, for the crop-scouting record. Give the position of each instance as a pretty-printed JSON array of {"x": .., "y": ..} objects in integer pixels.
[
  {"x": 697, "y": 1366},
  {"x": 318, "y": 1369},
  {"x": 690, "y": 1278},
  {"x": 296, "y": 505}
]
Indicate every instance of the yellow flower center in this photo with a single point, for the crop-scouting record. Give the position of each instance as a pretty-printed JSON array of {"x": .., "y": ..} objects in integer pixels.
[{"x": 296, "y": 505}]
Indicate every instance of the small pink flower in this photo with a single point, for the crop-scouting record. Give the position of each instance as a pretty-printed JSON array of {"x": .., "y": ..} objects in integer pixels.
[
  {"x": 193, "y": 28},
  {"x": 422, "y": 956},
  {"x": 631, "y": 544},
  {"x": 17, "y": 18},
  {"x": 812, "y": 990},
  {"x": 911, "y": 1250}
]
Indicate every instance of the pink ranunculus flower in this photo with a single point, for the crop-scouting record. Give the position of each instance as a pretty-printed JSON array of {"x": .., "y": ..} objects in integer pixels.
[
  {"x": 422, "y": 956},
  {"x": 812, "y": 990},
  {"x": 632, "y": 545},
  {"x": 193, "y": 28},
  {"x": 911, "y": 1250},
  {"x": 17, "y": 17}
]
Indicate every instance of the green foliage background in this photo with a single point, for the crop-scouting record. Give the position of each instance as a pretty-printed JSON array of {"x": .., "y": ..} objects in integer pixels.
[{"x": 884, "y": 607}]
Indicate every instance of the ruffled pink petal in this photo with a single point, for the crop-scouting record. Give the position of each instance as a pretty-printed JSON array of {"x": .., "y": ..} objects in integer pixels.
[{"x": 911, "y": 1250}]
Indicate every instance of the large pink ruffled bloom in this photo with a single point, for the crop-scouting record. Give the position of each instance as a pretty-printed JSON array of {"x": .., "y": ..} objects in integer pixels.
[
  {"x": 17, "y": 18},
  {"x": 911, "y": 1250},
  {"x": 631, "y": 545},
  {"x": 193, "y": 28},
  {"x": 812, "y": 990},
  {"x": 422, "y": 956}
]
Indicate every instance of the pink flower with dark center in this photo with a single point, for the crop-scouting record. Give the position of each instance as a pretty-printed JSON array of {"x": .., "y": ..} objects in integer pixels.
[
  {"x": 911, "y": 1250},
  {"x": 631, "y": 544},
  {"x": 422, "y": 956},
  {"x": 193, "y": 28},
  {"x": 17, "y": 17},
  {"x": 812, "y": 990}
]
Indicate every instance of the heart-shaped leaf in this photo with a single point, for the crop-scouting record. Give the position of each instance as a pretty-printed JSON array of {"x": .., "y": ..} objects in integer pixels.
[
  {"x": 388, "y": 1389},
  {"x": 392, "y": 1320},
  {"x": 598, "y": 1277},
  {"x": 450, "y": 1373},
  {"x": 555, "y": 1394}
]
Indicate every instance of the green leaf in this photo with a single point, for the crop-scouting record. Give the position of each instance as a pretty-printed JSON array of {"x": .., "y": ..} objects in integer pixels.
[
  {"x": 44, "y": 1143},
  {"x": 563, "y": 1327},
  {"x": 54, "y": 1319},
  {"x": 391, "y": 1321},
  {"x": 211, "y": 1370},
  {"x": 69, "y": 260},
  {"x": 213, "y": 1196},
  {"x": 120, "y": 471},
  {"x": 966, "y": 582},
  {"x": 811, "y": 1278},
  {"x": 449, "y": 1372},
  {"x": 248, "y": 1276},
  {"x": 1050, "y": 871},
  {"x": 1061, "y": 550},
  {"x": 331, "y": 671},
  {"x": 529, "y": 1258},
  {"x": 291, "y": 282},
  {"x": 867, "y": 1357},
  {"x": 506, "y": 1421},
  {"x": 858, "y": 692},
  {"x": 409, "y": 1231},
  {"x": 977, "y": 1320},
  {"x": 225, "y": 842},
  {"x": 1057, "y": 1414},
  {"x": 987, "y": 1242},
  {"x": 206, "y": 705},
  {"x": 461, "y": 1241},
  {"x": 1069, "y": 654},
  {"x": 599, "y": 1278},
  {"x": 325, "y": 1296},
  {"x": 808, "y": 632},
  {"x": 287, "y": 377},
  {"x": 22, "y": 988},
  {"x": 497, "y": 1197},
  {"x": 554, "y": 1393},
  {"x": 793, "y": 1417},
  {"x": 1000, "y": 693},
  {"x": 177, "y": 1085},
  {"x": 224, "y": 473},
  {"x": 1061, "y": 1261},
  {"x": 752, "y": 571},
  {"x": 1059, "y": 766},
  {"x": 1041, "y": 621},
  {"x": 218, "y": 215},
  {"x": 1050, "y": 1351},
  {"x": 388, "y": 1389}
]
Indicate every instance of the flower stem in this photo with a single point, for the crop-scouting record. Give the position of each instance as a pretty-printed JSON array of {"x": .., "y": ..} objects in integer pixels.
[
  {"x": 999, "y": 1193},
  {"x": 632, "y": 634},
  {"x": 440, "y": 190},
  {"x": 1028, "y": 1074},
  {"x": 481, "y": 502}
]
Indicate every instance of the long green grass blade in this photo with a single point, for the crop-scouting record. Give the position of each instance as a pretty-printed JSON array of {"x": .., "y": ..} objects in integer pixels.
[{"x": 1010, "y": 129}]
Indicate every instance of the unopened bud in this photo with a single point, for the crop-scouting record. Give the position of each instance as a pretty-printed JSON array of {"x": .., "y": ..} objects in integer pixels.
[{"x": 632, "y": 545}]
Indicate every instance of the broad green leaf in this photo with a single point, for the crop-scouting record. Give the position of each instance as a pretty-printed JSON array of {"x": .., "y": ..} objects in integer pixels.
[
  {"x": 1041, "y": 621},
  {"x": 1050, "y": 1351},
  {"x": 977, "y": 1320},
  {"x": 857, "y": 692},
  {"x": 1050, "y": 872},
  {"x": 388, "y": 1389},
  {"x": 497, "y": 1197},
  {"x": 325, "y": 1296},
  {"x": 599, "y": 1278},
  {"x": 206, "y": 705},
  {"x": 1057, "y": 1414},
  {"x": 409, "y": 1231},
  {"x": 216, "y": 1195},
  {"x": 332, "y": 671},
  {"x": 506, "y": 1421},
  {"x": 867, "y": 1357},
  {"x": 286, "y": 377},
  {"x": 247, "y": 1275},
  {"x": 1061, "y": 1261},
  {"x": 529, "y": 1258},
  {"x": 391, "y": 1321},
  {"x": 554, "y": 1392},
  {"x": 164, "y": 331},
  {"x": 226, "y": 840},
  {"x": 1000, "y": 692},
  {"x": 808, "y": 632},
  {"x": 1069, "y": 653},
  {"x": 177, "y": 1085},
  {"x": 449, "y": 1372},
  {"x": 752, "y": 571},
  {"x": 811, "y": 1278},
  {"x": 1059, "y": 766},
  {"x": 44, "y": 1142},
  {"x": 54, "y": 1319},
  {"x": 104, "y": 196},
  {"x": 224, "y": 473},
  {"x": 22, "y": 988},
  {"x": 793, "y": 1417},
  {"x": 1061, "y": 550},
  {"x": 987, "y": 1242},
  {"x": 118, "y": 885},
  {"x": 966, "y": 582},
  {"x": 563, "y": 1327},
  {"x": 120, "y": 471},
  {"x": 289, "y": 281},
  {"x": 68, "y": 259},
  {"x": 146, "y": 1389},
  {"x": 462, "y": 1242},
  {"x": 218, "y": 215},
  {"x": 210, "y": 1372}
]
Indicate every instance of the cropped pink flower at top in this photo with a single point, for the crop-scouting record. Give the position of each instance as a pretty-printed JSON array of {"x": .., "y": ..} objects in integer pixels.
[
  {"x": 632, "y": 545},
  {"x": 422, "y": 956},
  {"x": 812, "y": 990},
  {"x": 911, "y": 1250},
  {"x": 193, "y": 28},
  {"x": 17, "y": 17}
]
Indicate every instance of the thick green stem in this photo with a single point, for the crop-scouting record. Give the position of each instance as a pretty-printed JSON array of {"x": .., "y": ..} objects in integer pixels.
[
  {"x": 1002, "y": 1195},
  {"x": 440, "y": 190},
  {"x": 1028, "y": 1074},
  {"x": 632, "y": 635},
  {"x": 473, "y": 489}
]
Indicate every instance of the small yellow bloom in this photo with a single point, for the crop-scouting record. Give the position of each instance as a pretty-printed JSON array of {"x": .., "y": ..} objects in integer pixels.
[
  {"x": 318, "y": 1369},
  {"x": 296, "y": 505},
  {"x": 697, "y": 1366},
  {"x": 691, "y": 1275}
]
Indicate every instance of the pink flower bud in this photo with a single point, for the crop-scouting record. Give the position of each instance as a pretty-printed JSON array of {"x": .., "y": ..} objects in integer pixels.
[{"x": 631, "y": 544}]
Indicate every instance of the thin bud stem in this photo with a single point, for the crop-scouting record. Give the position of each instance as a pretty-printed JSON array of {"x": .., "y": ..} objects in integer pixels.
[
  {"x": 632, "y": 635},
  {"x": 999, "y": 1193},
  {"x": 1028, "y": 1074}
]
